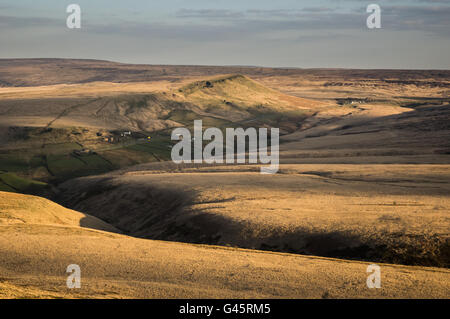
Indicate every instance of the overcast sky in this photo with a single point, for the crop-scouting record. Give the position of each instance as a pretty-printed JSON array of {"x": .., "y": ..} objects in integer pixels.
[{"x": 415, "y": 34}]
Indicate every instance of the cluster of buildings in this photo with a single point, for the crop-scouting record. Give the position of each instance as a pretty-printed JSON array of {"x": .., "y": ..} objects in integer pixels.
[{"x": 114, "y": 137}]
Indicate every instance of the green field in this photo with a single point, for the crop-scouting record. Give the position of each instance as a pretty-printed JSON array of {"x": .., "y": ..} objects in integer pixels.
[
  {"x": 56, "y": 162},
  {"x": 13, "y": 162},
  {"x": 158, "y": 146},
  {"x": 10, "y": 182},
  {"x": 60, "y": 148},
  {"x": 68, "y": 166},
  {"x": 6, "y": 188}
]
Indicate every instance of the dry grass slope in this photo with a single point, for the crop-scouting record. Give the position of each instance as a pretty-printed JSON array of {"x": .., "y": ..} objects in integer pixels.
[
  {"x": 33, "y": 265},
  {"x": 364, "y": 176},
  {"x": 25, "y": 209},
  {"x": 341, "y": 211}
]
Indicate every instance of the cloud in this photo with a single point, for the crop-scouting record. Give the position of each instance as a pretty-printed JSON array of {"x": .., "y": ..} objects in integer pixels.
[
  {"x": 313, "y": 35},
  {"x": 208, "y": 13},
  {"x": 434, "y": 1},
  {"x": 15, "y": 22},
  {"x": 214, "y": 24},
  {"x": 433, "y": 19},
  {"x": 318, "y": 9}
]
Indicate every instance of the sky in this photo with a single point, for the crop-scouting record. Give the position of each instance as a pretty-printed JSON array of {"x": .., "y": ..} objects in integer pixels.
[{"x": 414, "y": 34}]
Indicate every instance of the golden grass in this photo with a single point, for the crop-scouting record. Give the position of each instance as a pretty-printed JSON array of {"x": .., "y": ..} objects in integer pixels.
[
  {"x": 35, "y": 257},
  {"x": 368, "y": 180},
  {"x": 26, "y": 209},
  {"x": 395, "y": 213}
]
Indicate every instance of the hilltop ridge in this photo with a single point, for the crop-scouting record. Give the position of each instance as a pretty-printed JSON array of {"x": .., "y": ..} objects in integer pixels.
[{"x": 50, "y": 71}]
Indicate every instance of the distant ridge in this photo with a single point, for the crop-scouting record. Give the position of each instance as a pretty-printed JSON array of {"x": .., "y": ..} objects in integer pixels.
[{"x": 50, "y": 71}]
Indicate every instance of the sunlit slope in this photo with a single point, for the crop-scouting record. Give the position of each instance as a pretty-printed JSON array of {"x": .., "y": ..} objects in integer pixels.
[
  {"x": 18, "y": 209},
  {"x": 35, "y": 256},
  {"x": 224, "y": 101},
  {"x": 42, "y": 128},
  {"x": 242, "y": 91}
]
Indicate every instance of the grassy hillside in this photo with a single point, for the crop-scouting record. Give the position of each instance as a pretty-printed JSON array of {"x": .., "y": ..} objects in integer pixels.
[
  {"x": 10, "y": 182},
  {"x": 48, "y": 238},
  {"x": 47, "y": 149},
  {"x": 32, "y": 210},
  {"x": 363, "y": 176},
  {"x": 378, "y": 213},
  {"x": 241, "y": 91},
  {"x": 35, "y": 72},
  {"x": 240, "y": 99}
]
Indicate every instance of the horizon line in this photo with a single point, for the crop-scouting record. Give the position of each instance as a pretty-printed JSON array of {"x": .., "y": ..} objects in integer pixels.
[{"x": 230, "y": 66}]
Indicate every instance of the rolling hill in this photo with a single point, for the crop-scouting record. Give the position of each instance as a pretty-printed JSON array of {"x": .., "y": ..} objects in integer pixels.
[
  {"x": 233, "y": 98},
  {"x": 48, "y": 238},
  {"x": 363, "y": 178},
  {"x": 39, "y": 72},
  {"x": 43, "y": 128},
  {"x": 20, "y": 210}
]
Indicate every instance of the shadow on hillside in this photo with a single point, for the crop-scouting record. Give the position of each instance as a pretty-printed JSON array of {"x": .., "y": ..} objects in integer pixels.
[{"x": 162, "y": 213}]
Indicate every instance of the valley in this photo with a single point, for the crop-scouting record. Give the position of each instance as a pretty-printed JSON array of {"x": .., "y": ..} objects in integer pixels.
[{"x": 86, "y": 177}]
